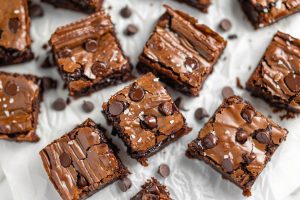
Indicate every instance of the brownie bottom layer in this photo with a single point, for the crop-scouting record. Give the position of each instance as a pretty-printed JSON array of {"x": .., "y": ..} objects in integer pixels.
[{"x": 13, "y": 56}]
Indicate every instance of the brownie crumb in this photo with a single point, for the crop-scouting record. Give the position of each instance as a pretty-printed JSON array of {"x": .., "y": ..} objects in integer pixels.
[
  {"x": 232, "y": 36},
  {"x": 238, "y": 83}
]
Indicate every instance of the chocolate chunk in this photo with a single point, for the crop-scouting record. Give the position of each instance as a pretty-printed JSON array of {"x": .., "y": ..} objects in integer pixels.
[
  {"x": 116, "y": 108},
  {"x": 164, "y": 170},
  {"x": 225, "y": 25},
  {"x": 241, "y": 136},
  {"x": 136, "y": 93},
  {"x": 166, "y": 108},
  {"x": 201, "y": 113},
  {"x": 209, "y": 141},
  {"x": 11, "y": 88},
  {"x": 263, "y": 136},
  {"x": 81, "y": 181},
  {"x": 98, "y": 68},
  {"x": 248, "y": 158},
  {"x": 35, "y": 10},
  {"x": 65, "y": 53},
  {"x": 125, "y": 12},
  {"x": 65, "y": 159},
  {"x": 150, "y": 121},
  {"x": 227, "y": 92},
  {"x": 247, "y": 114},
  {"x": 227, "y": 165},
  {"x": 293, "y": 82},
  {"x": 14, "y": 24},
  {"x": 124, "y": 184},
  {"x": 131, "y": 30},
  {"x": 59, "y": 104},
  {"x": 91, "y": 45},
  {"x": 190, "y": 63},
  {"x": 87, "y": 106}
]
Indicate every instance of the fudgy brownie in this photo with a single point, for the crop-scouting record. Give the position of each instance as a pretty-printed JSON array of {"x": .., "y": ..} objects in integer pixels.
[
  {"x": 277, "y": 77},
  {"x": 202, "y": 5},
  {"x": 89, "y": 56},
  {"x": 145, "y": 117},
  {"x": 152, "y": 190},
  {"x": 15, "y": 41},
  {"x": 87, "y": 6},
  {"x": 262, "y": 13},
  {"x": 82, "y": 162},
  {"x": 238, "y": 142},
  {"x": 181, "y": 52}
]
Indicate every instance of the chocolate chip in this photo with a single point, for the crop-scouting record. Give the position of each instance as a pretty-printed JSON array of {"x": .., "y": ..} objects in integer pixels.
[
  {"x": 293, "y": 82},
  {"x": 227, "y": 165},
  {"x": 65, "y": 159},
  {"x": 65, "y": 53},
  {"x": 125, "y": 12},
  {"x": 166, "y": 108},
  {"x": 136, "y": 93},
  {"x": 227, "y": 92},
  {"x": 131, "y": 30},
  {"x": 164, "y": 170},
  {"x": 124, "y": 184},
  {"x": 263, "y": 136},
  {"x": 59, "y": 104},
  {"x": 87, "y": 106},
  {"x": 98, "y": 68},
  {"x": 248, "y": 158},
  {"x": 190, "y": 63},
  {"x": 150, "y": 121},
  {"x": 91, "y": 45},
  {"x": 179, "y": 103},
  {"x": 116, "y": 108},
  {"x": 225, "y": 25},
  {"x": 35, "y": 10},
  {"x": 209, "y": 141},
  {"x": 14, "y": 24},
  {"x": 201, "y": 113},
  {"x": 232, "y": 36},
  {"x": 81, "y": 181},
  {"x": 248, "y": 114},
  {"x": 241, "y": 136},
  {"x": 11, "y": 88}
]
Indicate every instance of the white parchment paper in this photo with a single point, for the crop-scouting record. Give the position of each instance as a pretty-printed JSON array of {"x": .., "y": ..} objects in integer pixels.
[{"x": 22, "y": 176}]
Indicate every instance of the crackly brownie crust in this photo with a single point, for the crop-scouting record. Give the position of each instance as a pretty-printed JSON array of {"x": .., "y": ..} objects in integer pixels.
[
  {"x": 201, "y": 5},
  {"x": 181, "y": 52},
  {"x": 89, "y": 56},
  {"x": 277, "y": 77},
  {"x": 82, "y": 162},
  {"x": 15, "y": 41},
  {"x": 262, "y": 13},
  {"x": 238, "y": 142},
  {"x": 145, "y": 117}
]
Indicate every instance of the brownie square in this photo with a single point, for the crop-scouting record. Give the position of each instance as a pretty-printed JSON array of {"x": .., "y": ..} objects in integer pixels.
[
  {"x": 15, "y": 41},
  {"x": 181, "y": 52},
  {"x": 89, "y": 56},
  {"x": 87, "y": 6},
  {"x": 277, "y": 77},
  {"x": 238, "y": 142},
  {"x": 201, "y": 5},
  {"x": 152, "y": 189},
  {"x": 145, "y": 117},
  {"x": 264, "y": 13},
  {"x": 82, "y": 162}
]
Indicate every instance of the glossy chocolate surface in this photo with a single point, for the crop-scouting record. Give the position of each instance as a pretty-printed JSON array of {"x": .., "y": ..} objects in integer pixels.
[
  {"x": 81, "y": 162},
  {"x": 202, "y": 5},
  {"x": 87, "y": 6}
]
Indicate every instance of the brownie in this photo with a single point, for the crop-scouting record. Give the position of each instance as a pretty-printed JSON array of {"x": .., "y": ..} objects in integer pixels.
[
  {"x": 89, "y": 56},
  {"x": 262, "y": 13},
  {"x": 277, "y": 77},
  {"x": 181, "y": 52},
  {"x": 15, "y": 41},
  {"x": 87, "y": 6},
  {"x": 202, "y": 5},
  {"x": 145, "y": 117},
  {"x": 238, "y": 142},
  {"x": 152, "y": 189},
  {"x": 82, "y": 162}
]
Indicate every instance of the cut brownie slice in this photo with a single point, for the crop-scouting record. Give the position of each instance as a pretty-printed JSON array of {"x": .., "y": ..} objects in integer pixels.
[
  {"x": 15, "y": 41},
  {"x": 152, "y": 189},
  {"x": 181, "y": 52},
  {"x": 87, "y": 6},
  {"x": 145, "y": 117},
  {"x": 262, "y": 13},
  {"x": 89, "y": 56},
  {"x": 202, "y": 5},
  {"x": 238, "y": 142},
  {"x": 277, "y": 77},
  {"x": 82, "y": 162}
]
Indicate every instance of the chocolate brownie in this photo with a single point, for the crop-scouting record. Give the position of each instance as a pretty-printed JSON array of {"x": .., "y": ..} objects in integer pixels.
[
  {"x": 15, "y": 41},
  {"x": 238, "y": 142},
  {"x": 262, "y": 13},
  {"x": 202, "y": 5},
  {"x": 82, "y": 162},
  {"x": 277, "y": 77},
  {"x": 145, "y": 117},
  {"x": 89, "y": 56},
  {"x": 152, "y": 189},
  {"x": 87, "y": 6},
  {"x": 181, "y": 52}
]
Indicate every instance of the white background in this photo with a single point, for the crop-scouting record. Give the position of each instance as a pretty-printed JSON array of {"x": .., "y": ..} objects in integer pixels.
[{"x": 22, "y": 176}]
